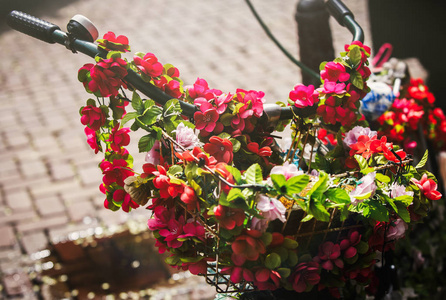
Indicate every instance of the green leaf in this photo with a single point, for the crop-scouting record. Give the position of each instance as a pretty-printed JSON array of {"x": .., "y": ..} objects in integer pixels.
[
  {"x": 378, "y": 211},
  {"x": 296, "y": 184},
  {"x": 355, "y": 56},
  {"x": 266, "y": 238},
  {"x": 403, "y": 212},
  {"x": 318, "y": 211},
  {"x": 404, "y": 199},
  {"x": 254, "y": 174},
  {"x": 235, "y": 173},
  {"x": 357, "y": 80},
  {"x": 292, "y": 258},
  {"x": 129, "y": 116},
  {"x": 284, "y": 272},
  {"x": 235, "y": 145},
  {"x": 278, "y": 182},
  {"x": 272, "y": 261},
  {"x": 137, "y": 103},
  {"x": 392, "y": 203},
  {"x": 146, "y": 143},
  {"x": 322, "y": 163},
  {"x": 362, "y": 247},
  {"x": 151, "y": 115},
  {"x": 235, "y": 199},
  {"x": 361, "y": 161},
  {"x": 422, "y": 161},
  {"x": 337, "y": 196},
  {"x": 175, "y": 170},
  {"x": 319, "y": 187},
  {"x": 289, "y": 243},
  {"x": 382, "y": 178},
  {"x": 172, "y": 107}
]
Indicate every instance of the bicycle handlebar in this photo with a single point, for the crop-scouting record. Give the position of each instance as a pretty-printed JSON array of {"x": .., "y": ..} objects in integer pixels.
[{"x": 52, "y": 33}]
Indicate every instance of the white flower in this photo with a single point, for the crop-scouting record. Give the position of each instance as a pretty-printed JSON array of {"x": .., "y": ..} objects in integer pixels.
[
  {"x": 351, "y": 137},
  {"x": 186, "y": 137},
  {"x": 397, "y": 190},
  {"x": 365, "y": 189},
  {"x": 288, "y": 170},
  {"x": 270, "y": 208}
]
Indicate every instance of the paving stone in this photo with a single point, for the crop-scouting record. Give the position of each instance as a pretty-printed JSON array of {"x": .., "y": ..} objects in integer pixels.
[
  {"x": 77, "y": 211},
  {"x": 18, "y": 217},
  {"x": 34, "y": 242},
  {"x": 61, "y": 170},
  {"x": 33, "y": 168},
  {"x": 19, "y": 200},
  {"x": 49, "y": 205},
  {"x": 7, "y": 236},
  {"x": 43, "y": 223}
]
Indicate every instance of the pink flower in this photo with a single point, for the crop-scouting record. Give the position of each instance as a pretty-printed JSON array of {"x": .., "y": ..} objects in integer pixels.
[
  {"x": 148, "y": 65},
  {"x": 253, "y": 103},
  {"x": 305, "y": 276},
  {"x": 365, "y": 189},
  {"x": 186, "y": 137},
  {"x": 248, "y": 245},
  {"x": 193, "y": 229},
  {"x": 348, "y": 245},
  {"x": 396, "y": 230},
  {"x": 334, "y": 72},
  {"x": 206, "y": 118},
  {"x": 119, "y": 138},
  {"x": 92, "y": 140},
  {"x": 228, "y": 217},
  {"x": 397, "y": 190},
  {"x": 220, "y": 148},
  {"x": 271, "y": 208},
  {"x": 153, "y": 155},
  {"x": 287, "y": 169},
  {"x": 333, "y": 87},
  {"x": 428, "y": 187},
  {"x": 351, "y": 137},
  {"x": 107, "y": 75},
  {"x": 304, "y": 96},
  {"x": 222, "y": 101},
  {"x": 93, "y": 116}
]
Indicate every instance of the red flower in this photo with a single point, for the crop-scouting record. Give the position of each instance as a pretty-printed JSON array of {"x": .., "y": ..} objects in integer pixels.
[
  {"x": 189, "y": 197},
  {"x": 162, "y": 182},
  {"x": 148, "y": 65},
  {"x": 93, "y": 117},
  {"x": 228, "y": 217},
  {"x": 173, "y": 231},
  {"x": 114, "y": 43},
  {"x": 206, "y": 118},
  {"x": 115, "y": 171},
  {"x": 124, "y": 199},
  {"x": 428, "y": 187},
  {"x": 161, "y": 216},
  {"x": 249, "y": 245},
  {"x": 266, "y": 279},
  {"x": 348, "y": 245},
  {"x": 264, "y": 151},
  {"x": 305, "y": 276},
  {"x": 106, "y": 76},
  {"x": 220, "y": 148},
  {"x": 197, "y": 153},
  {"x": 223, "y": 171},
  {"x": 237, "y": 272},
  {"x": 119, "y": 138}
]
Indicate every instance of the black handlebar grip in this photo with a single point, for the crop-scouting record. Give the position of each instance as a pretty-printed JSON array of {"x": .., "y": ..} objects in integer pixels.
[
  {"x": 338, "y": 10},
  {"x": 32, "y": 26}
]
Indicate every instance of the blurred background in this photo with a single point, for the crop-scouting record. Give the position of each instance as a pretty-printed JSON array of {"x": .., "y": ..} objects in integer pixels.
[{"x": 52, "y": 219}]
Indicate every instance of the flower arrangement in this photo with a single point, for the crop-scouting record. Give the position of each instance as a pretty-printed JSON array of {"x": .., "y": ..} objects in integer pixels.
[
  {"x": 414, "y": 108},
  {"x": 227, "y": 202}
]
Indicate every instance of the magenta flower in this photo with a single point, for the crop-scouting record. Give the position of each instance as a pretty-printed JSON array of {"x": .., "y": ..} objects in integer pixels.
[
  {"x": 148, "y": 65},
  {"x": 93, "y": 116},
  {"x": 305, "y": 276},
  {"x": 334, "y": 72},
  {"x": 119, "y": 138},
  {"x": 206, "y": 118},
  {"x": 348, "y": 245},
  {"x": 253, "y": 103},
  {"x": 266, "y": 279},
  {"x": 333, "y": 87},
  {"x": 304, "y": 96},
  {"x": 115, "y": 171},
  {"x": 328, "y": 256},
  {"x": 161, "y": 216},
  {"x": 173, "y": 232},
  {"x": 222, "y": 101},
  {"x": 92, "y": 139},
  {"x": 228, "y": 217},
  {"x": 124, "y": 199},
  {"x": 193, "y": 229}
]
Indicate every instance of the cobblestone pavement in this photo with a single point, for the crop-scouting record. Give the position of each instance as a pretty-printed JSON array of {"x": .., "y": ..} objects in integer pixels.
[{"x": 48, "y": 176}]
